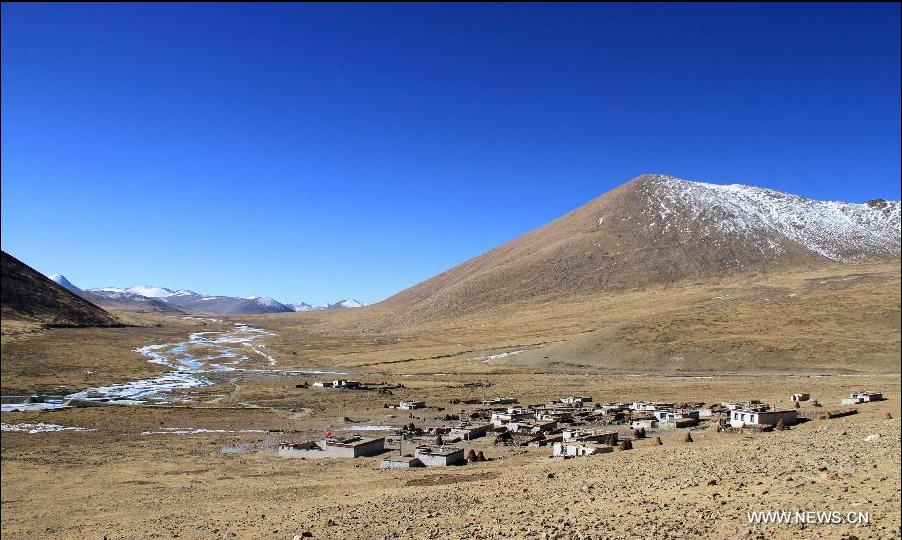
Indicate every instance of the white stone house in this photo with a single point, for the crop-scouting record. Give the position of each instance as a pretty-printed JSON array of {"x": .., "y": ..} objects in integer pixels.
[
  {"x": 511, "y": 415},
  {"x": 409, "y": 405},
  {"x": 672, "y": 416},
  {"x": 576, "y": 400},
  {"x": 563, "y": 449},
  {"x": 754, "y": 417},
  {"x": 338, "y": 383},
  {"x": 499, "y": 401},
  {"x": 862, "y": 397}
]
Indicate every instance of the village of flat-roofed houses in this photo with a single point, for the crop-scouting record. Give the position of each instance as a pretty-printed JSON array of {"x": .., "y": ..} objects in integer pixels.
[{"x": 568, "y": 426}]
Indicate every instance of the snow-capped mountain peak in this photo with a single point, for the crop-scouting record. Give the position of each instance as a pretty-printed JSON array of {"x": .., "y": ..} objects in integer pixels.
[
  {"x": 190, "y": 301},
  {"x": 264, "y": 301},
  {"x": 347, "y": 304},
  {"x": 341, "y": 304},
  {"x": 65, "y": 283},
  {"x": 303, "y": 306}
]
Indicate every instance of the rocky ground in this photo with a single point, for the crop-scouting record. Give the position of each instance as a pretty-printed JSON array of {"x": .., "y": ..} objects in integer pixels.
[{"x": 122, "y": 482}]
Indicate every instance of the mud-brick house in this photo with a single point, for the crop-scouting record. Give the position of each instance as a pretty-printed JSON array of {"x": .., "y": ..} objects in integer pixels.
[
  {"x": 440, "y": 456},
  {"x": 334, "y": 447},
  {"x": 400, "y": 462},
  {"x": 574, "y": 435},
  {"x": 644, "y": 423},
  {"x": 467, "y": 432}
]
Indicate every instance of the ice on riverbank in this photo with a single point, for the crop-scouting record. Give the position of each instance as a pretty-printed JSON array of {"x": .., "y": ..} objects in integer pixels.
[
  {"x": 31, "y": 407},
  {"x": 40, "y": 428}
]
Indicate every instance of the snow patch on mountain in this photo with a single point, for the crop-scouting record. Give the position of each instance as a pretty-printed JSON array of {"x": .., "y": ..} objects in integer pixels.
[
  {"x": 140, "y": 290},
  {"x": 151, "y": 292},
  {"x": 839, "y": 231},
  {"x": 123, "y": 296}
]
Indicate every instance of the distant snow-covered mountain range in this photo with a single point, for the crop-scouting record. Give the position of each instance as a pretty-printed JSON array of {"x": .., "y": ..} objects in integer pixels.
[{"x": 144, "y": 297}]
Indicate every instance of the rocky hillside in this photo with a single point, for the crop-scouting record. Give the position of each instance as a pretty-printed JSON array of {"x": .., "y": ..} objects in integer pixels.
[
  {"x": 659, "y": 229},
  {"x": 29, "y": 296}
]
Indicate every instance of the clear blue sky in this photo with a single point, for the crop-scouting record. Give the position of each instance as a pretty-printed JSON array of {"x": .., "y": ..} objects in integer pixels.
[{"x": 319, "y": 152}]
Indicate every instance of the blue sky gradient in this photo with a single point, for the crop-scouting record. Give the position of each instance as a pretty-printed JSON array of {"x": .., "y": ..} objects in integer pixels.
[{"x": 311, "y": 152}]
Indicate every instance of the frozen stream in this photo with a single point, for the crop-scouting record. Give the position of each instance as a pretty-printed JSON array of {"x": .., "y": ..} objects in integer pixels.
[{"x": 204, "y": 355}]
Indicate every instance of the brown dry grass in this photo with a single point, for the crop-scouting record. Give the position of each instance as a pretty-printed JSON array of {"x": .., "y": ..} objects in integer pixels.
[
  {"x": 45, "y": 360},
  {"x": 836, "y": 318}
]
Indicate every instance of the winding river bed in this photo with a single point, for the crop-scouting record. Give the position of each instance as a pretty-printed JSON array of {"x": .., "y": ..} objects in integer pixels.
[{"x": 198, "y": 361}]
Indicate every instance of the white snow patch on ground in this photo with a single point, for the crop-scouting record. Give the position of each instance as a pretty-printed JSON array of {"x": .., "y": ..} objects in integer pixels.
[
  {"x": 493, "y": 357},
  {"x": 193, "y": 431},
  {"x": 29, "y": 407},
  {"x": 190, "y": 318},
  {"x": 40, "y": 428}
]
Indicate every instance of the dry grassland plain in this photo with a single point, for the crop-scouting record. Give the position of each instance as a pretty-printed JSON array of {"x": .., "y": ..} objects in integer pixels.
[{"x": 207, "y": 468}]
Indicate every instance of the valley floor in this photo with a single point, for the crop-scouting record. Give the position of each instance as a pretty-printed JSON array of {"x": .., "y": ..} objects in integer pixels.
[
  {"x": 204, "y": 464},
  {"x": 132, "y": 479}
]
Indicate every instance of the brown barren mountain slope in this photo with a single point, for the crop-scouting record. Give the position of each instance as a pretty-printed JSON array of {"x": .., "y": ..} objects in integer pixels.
[
  {"x": 660, "y": 274},
  {"x": 31, "y": 300},
  {"x": 658, "y": 230}
]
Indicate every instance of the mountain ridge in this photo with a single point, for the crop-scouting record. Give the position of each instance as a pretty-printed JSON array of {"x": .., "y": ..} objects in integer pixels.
[
  {"x": 163, "y": 299},
  {"x": 32, "y": 298},
  {"x": 658, "y": 229}
]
